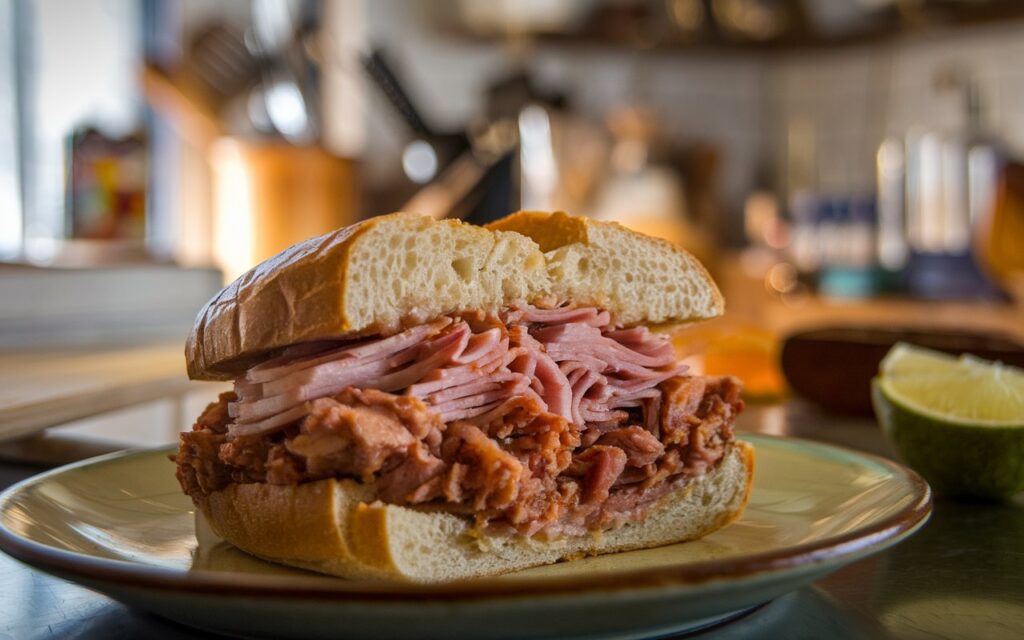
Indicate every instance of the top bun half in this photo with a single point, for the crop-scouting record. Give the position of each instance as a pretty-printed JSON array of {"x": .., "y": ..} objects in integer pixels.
[{"x": 401, "y": 269}]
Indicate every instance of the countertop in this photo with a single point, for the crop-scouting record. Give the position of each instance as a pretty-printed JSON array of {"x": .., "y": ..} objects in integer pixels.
[
  {"x": 962, "y": 576},
  {"x": 45, "y": 388}
]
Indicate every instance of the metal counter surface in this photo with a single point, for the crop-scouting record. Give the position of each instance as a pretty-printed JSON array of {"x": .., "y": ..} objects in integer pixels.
[{"x": 962, "y": 576}]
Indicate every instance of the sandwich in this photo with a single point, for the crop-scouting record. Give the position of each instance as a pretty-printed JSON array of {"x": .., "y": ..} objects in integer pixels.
[{"x": 430, "y": 400}]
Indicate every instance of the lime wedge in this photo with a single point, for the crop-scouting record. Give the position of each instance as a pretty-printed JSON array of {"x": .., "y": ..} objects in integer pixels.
[{"x": 957, "y": 421}]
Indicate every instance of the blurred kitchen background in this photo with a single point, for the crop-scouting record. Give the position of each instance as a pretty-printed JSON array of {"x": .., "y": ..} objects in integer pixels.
[{"x": 850, "y": 170}]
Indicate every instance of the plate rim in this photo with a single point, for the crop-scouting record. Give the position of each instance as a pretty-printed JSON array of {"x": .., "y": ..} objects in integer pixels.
[{"x": 854, "y": 544}]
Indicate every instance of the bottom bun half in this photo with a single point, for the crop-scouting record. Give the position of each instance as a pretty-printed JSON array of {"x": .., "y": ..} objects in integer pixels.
[{"x": 333, "y": 526}]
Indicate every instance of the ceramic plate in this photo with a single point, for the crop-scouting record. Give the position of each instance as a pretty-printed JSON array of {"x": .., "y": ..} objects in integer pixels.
[{"x": 120, "y": 525}]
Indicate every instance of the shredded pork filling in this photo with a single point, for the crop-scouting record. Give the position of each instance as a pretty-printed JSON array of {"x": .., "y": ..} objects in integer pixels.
[{"x": 538, "y": 421}]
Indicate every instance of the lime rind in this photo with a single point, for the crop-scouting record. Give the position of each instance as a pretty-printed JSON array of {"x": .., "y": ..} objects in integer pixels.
[{"x": 958, "y": 459}]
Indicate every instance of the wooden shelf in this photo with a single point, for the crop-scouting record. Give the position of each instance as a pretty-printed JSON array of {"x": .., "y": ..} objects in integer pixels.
[{"x": 930, "y": 21}]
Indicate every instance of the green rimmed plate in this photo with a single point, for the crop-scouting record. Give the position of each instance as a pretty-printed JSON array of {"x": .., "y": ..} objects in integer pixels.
[{"x": 120, "y": 525}]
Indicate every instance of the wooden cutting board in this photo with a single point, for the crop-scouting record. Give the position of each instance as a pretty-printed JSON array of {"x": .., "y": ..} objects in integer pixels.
[{"x": 40, "y": 389}]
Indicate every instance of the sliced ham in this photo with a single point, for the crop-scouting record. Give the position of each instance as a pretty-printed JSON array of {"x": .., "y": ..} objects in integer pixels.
[
  {"x": 569, "y": 359},
  {"x": 484, "y": 398},
  {"x": 590, "y": 340},
  {"x": 309, "y": 384},
  {"x": 581, "y": 386},
  {"x": 480, "y": 346},
  {"x": 272, "y": 423},
  {"x": 561, "y": 315},
  {"x": 442, "y": 379},
  {"x": 548, "y": 380},
  {"x": 362, "y": 367},
  {"x": 439, "y": 353},
  {"x": 296, "y": 359},
  {"x": 290, "y": 382},
  {"x": 476, "y": 384},
  {"x": 641, "y": 339}
]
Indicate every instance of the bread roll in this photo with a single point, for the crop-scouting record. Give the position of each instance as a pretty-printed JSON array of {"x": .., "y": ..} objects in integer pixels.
[{"x": 404, "y": 269}]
